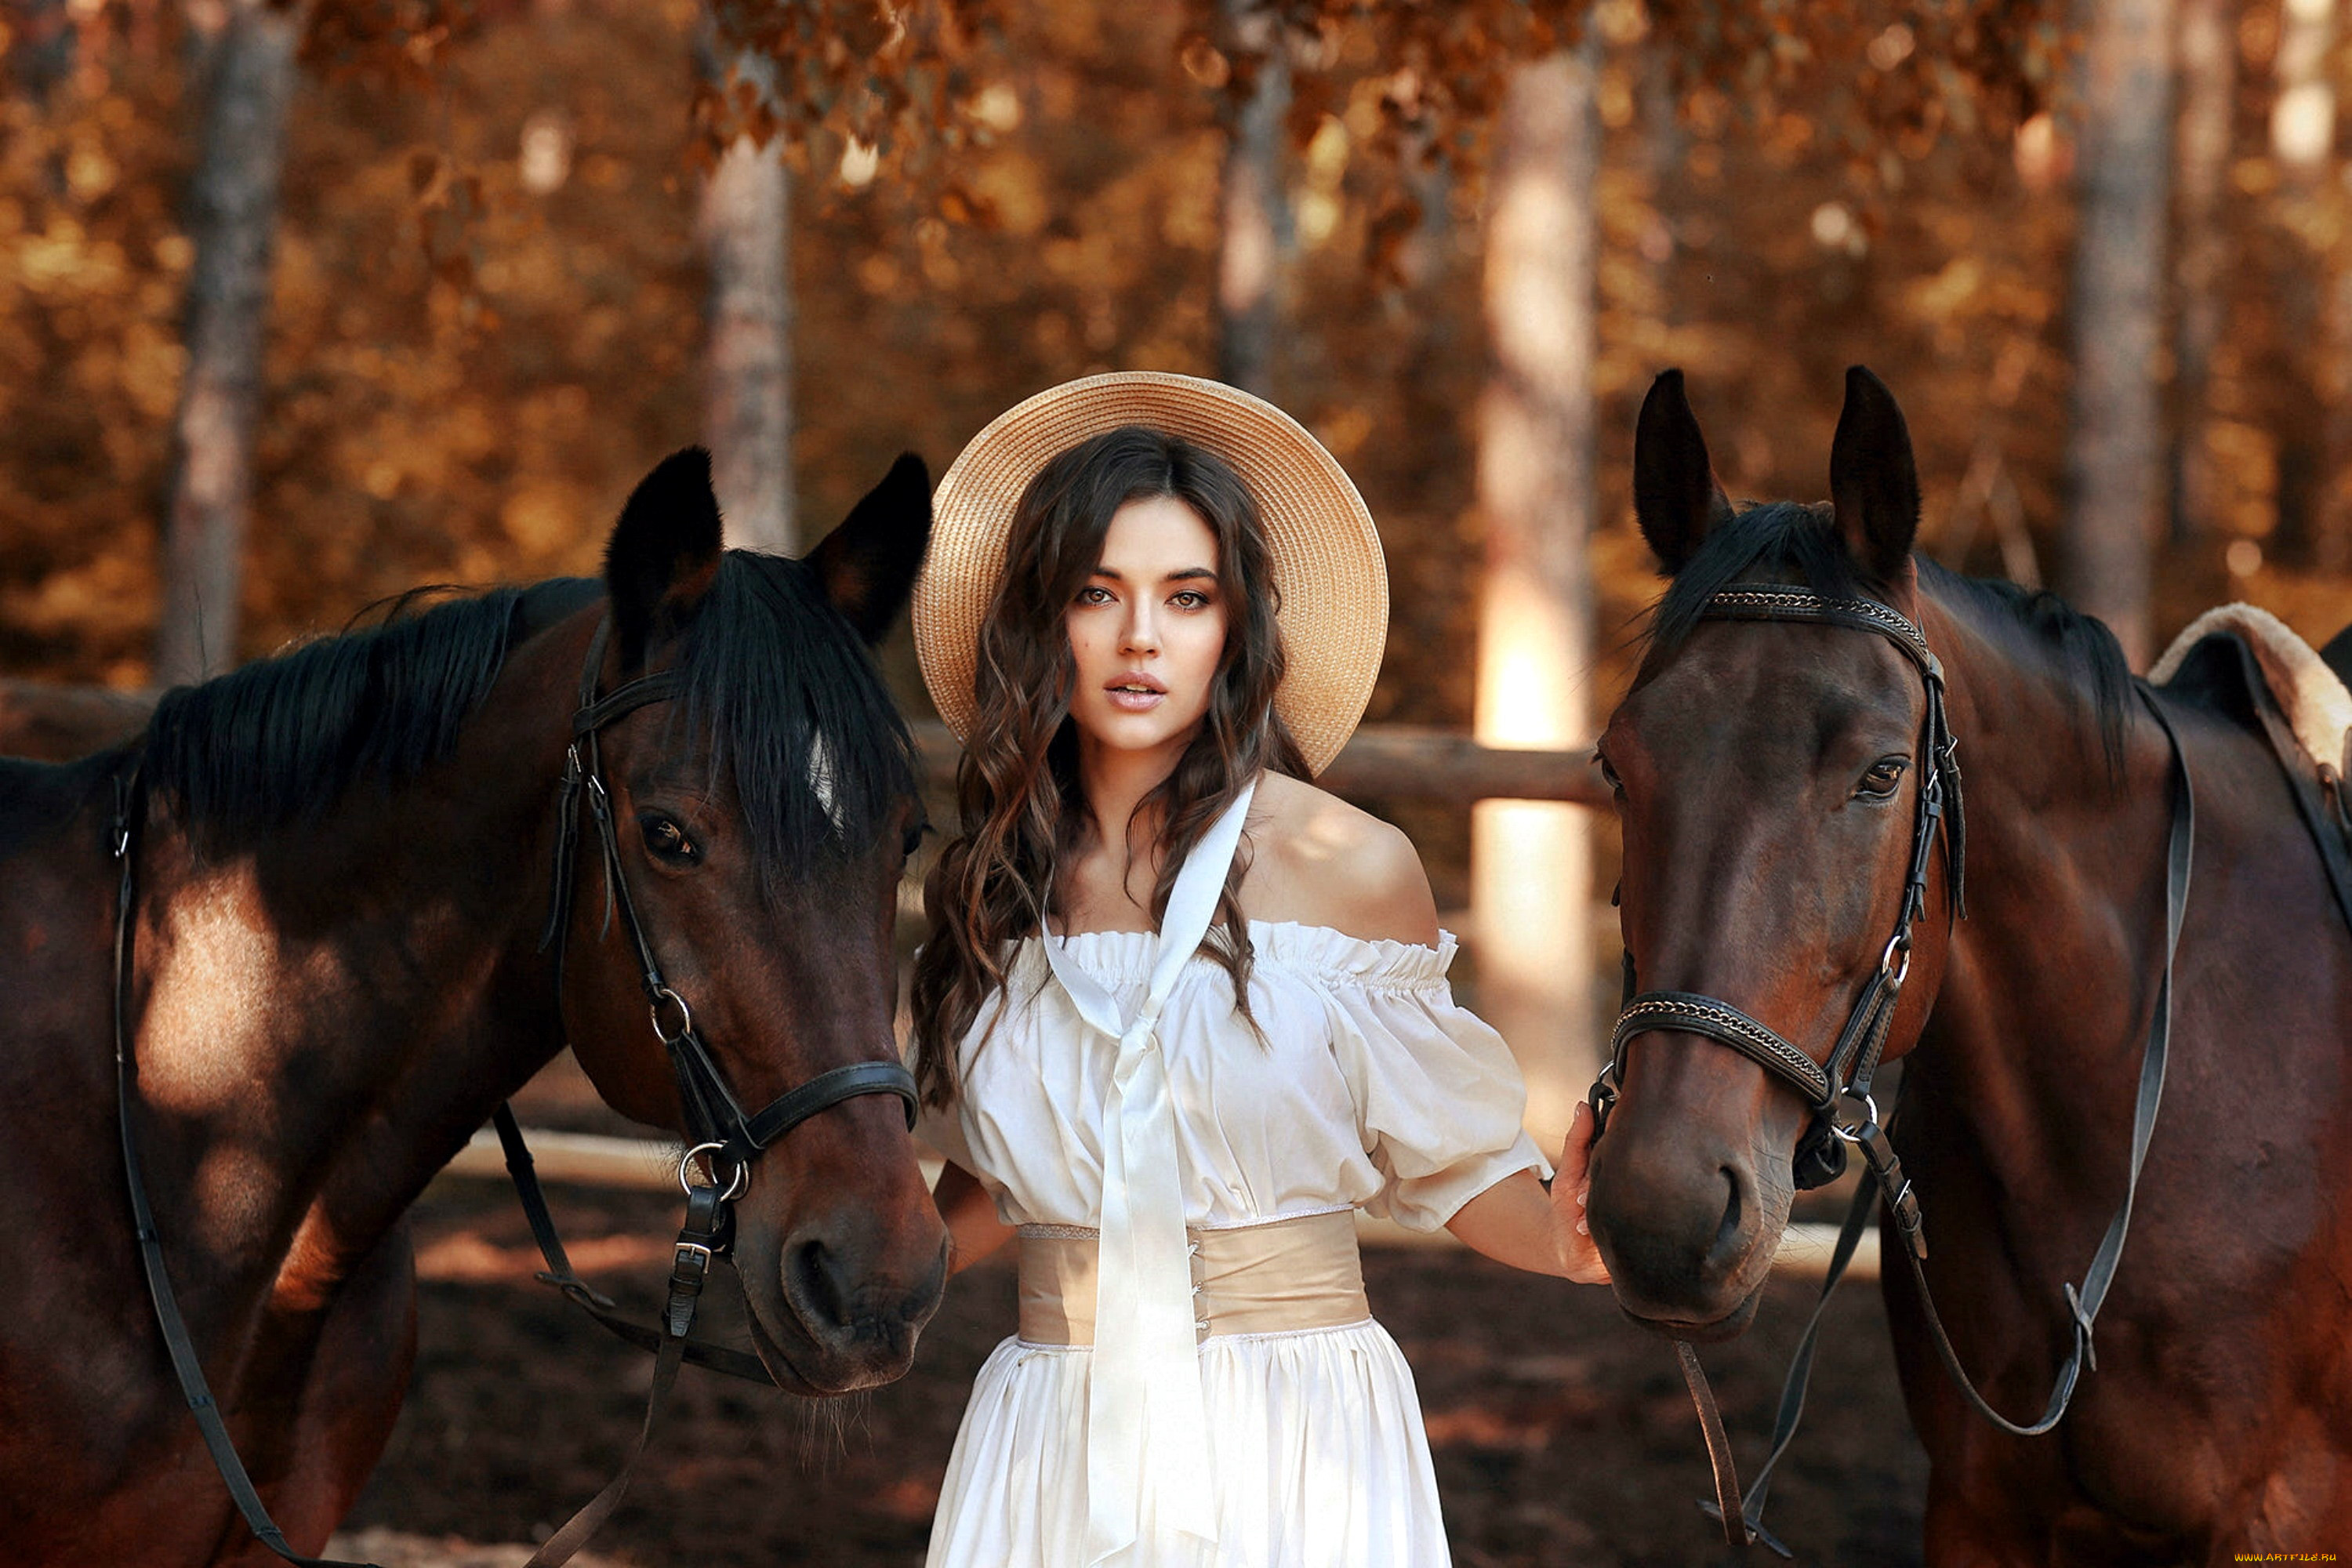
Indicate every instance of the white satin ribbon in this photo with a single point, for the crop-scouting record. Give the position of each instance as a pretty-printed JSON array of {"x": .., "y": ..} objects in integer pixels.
[{"x": 1147, "y": 1433}]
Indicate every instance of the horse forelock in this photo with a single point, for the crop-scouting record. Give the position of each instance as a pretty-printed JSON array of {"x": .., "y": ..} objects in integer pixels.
[
  {"x": 783, "y": 693},
  {"x": 778, "y": 689}
]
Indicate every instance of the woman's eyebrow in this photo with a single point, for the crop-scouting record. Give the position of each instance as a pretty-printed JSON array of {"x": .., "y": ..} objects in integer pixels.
[{"x": 1182, "y": 575}]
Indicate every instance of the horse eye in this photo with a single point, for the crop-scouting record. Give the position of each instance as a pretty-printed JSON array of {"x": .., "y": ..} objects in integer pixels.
[
  {"x": 1609, "y": 774},
  {"x": 666, "y": 839},
  {"x": 913, "y": 841},
  {"x": 1882, "y": 779}
]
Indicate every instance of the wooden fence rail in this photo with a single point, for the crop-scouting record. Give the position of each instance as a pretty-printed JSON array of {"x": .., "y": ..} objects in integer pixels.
[{"x": 1383, "y": 762}]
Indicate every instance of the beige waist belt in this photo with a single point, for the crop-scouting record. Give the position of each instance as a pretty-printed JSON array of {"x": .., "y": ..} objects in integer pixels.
[{"x": 1259, "y": 1279}]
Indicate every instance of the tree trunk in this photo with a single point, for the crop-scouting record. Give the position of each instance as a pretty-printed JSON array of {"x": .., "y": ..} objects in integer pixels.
[
  {"x": 746, "y": 225},
  {"x": 2209, "y": 87},
  {"x": 1252, "y": 201},
  {"x": 746, "y": 229},
  {"x": 1531, "y": 863},
  {"x": 2115, "y": 460},
  {"x": 2302, "y": 144},
  {"x": 233, "y": 212}
]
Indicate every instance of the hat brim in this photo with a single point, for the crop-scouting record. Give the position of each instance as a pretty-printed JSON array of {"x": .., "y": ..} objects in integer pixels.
[{"x": 1325, "y": 556}]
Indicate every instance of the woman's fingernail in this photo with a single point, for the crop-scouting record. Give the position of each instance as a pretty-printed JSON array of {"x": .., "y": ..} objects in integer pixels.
[{"x": 1582, "y": 1228}]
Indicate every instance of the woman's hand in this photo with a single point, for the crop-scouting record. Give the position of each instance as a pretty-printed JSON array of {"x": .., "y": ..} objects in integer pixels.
[
  {"x": 1513, "y": 1222},
  {"x": 1571, "y": 1187}
]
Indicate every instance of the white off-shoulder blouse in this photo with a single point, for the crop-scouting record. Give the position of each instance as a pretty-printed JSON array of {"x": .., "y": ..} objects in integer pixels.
[
  {"x": 1363, "y": 1086},
  {"x": 1368, "y": 1089}
]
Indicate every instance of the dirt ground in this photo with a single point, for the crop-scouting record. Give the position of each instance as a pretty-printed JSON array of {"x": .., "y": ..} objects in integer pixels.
[{"x": 1561, "y": 1433}]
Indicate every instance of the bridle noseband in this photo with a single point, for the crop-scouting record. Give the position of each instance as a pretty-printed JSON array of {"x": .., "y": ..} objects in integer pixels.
[
  {"x": 1845, "y": 1076},
  {"x": 715, "y": 1119}
]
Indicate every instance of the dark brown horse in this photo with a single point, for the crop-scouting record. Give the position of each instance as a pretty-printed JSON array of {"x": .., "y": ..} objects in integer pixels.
[
  {"x": 1768, "y": 774},
  {"x": 342, "y": 873}
]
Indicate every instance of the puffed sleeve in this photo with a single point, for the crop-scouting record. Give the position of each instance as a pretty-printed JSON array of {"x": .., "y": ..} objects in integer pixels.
[
  {"x": 1438, "y": 1096},
  {"x": 940, "y": 1128}
]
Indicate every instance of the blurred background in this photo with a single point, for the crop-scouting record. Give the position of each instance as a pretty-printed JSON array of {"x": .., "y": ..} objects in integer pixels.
[{"x": 303, "y": 305}]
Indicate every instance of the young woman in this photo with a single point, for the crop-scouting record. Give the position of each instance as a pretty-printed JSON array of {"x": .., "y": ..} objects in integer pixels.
[{"x": 1181, "y": 1013}]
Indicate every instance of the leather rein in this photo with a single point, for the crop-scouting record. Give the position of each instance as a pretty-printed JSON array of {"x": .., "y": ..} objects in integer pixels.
[
  {"x": 1842, "y": 1082},
  {"x": 716, "y": 1124}
]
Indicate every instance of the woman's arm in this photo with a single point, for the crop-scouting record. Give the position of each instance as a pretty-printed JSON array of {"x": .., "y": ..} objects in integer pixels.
[
  {"x": 973, "y": 1229},
  {"x": 1516, "y": 1222}
]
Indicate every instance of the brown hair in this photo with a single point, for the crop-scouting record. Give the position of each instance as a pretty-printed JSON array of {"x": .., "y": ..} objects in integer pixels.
[{"x": 1019, "y": 806}]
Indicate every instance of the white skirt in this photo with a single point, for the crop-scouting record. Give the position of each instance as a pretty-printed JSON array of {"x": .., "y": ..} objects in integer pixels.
[{"x": 1319, "y": 1452}]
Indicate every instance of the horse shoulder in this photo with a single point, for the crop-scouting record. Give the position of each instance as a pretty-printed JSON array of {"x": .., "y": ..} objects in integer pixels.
[{"x": 1320, "y": 861}]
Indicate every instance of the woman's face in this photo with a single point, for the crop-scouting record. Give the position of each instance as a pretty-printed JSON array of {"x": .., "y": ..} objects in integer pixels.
[{"x": 1147, "y": 629}]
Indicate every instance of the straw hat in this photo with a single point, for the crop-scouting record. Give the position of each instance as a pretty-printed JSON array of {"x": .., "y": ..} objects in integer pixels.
[{"x": 1327, "y": 558}]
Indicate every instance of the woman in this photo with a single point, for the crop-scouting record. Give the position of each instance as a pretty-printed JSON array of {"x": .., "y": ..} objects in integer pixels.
[{"x": 1181, "y": 1145}]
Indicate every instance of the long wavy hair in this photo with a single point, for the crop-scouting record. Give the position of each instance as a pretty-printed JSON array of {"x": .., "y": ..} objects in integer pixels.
[{"x": 1019, "y": 806}]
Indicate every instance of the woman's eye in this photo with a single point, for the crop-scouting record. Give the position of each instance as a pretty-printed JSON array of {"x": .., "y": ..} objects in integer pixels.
[
  {"x": 666, "y": 838},
  {"x": 1881, "y": 782},
  {"x": 1094, "y": 594},
  {"x": 1190, "y": 599}
]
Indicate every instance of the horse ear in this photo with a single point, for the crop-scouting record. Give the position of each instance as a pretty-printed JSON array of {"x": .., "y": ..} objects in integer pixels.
[
  {"x": 1874, "y": 484},
  {"x": 664, "y": 553},
  {"x": 867, "y": 565},
  {"x": 1675, "y": 497}
]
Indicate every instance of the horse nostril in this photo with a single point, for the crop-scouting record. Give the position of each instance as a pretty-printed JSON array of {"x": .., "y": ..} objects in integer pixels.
[
  {"x": 1728, "y": 1233},
  {"x": 812, "y": 1280}
]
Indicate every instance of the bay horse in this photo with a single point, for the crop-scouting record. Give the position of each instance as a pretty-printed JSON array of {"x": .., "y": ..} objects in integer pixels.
[
  {"x": 1768, "y": 771},
  {"x": 343, "y": 962}
]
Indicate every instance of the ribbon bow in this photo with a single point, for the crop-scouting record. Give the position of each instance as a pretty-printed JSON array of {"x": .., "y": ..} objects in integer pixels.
[{"x": 1146, "y": 1432}]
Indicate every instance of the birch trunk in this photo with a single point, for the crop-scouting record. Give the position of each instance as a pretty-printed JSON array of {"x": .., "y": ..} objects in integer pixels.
[
  {"x": 233, "y": 212},
  {"x": 2302, "y": 144},
  {"x": 2116, "y": 458},
  {"x": 746, "y": 229},
  {"x": 1531, "y": 862},
  {"x": 1249, "y": 259},
  {"x": 2209, "y": 83}
]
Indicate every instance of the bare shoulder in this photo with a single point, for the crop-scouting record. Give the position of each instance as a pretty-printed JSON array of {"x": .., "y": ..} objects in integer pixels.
[{"x": 1321, "y": 862}]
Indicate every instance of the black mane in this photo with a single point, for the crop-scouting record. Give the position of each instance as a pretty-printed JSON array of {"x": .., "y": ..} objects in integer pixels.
[
  {"x": 1784, "y": 540},
  {"x": 768, "y": 667}
]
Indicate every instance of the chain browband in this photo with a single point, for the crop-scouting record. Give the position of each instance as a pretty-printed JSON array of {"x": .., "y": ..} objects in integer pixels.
[{"x": 1852, "y": 1063}]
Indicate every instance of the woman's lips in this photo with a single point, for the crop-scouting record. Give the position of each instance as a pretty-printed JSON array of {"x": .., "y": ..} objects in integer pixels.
[{"x": 1136, "y": 693}]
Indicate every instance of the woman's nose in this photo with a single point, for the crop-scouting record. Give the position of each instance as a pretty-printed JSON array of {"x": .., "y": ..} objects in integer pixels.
[{"x": 1142, "y": 633}]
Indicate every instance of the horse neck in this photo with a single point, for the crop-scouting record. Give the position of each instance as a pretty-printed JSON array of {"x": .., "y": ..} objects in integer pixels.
[
  {"x": 332, "y": 1008},
  {"x": 2034, "y": 1042}
]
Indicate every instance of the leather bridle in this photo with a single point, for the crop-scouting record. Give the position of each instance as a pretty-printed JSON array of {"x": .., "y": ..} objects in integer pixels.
[
  {"x": 1852, "y": 1063},
  {"x": 714, "y": 1122},
  {"x": 714, "y": 1119},
  {"x": 1844, "y": 1076}
]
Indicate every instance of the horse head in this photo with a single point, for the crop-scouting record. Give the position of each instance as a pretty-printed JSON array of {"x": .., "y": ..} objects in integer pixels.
[
  {"x": 763, "y": 806},
  {"x": 1768, "y": 770}
]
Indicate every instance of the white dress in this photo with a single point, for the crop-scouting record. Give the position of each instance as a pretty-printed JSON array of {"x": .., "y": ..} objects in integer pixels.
[{"x": 1370, "y": 1090}]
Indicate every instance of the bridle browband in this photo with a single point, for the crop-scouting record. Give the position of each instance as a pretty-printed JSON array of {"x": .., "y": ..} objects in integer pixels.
[
  {"x": 716, "y": 1125},
  {"x": 1845, "y": 1074}
]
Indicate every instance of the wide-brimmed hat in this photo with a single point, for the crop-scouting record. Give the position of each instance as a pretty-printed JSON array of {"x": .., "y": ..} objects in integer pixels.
[{"x": 1327, "y": 566}]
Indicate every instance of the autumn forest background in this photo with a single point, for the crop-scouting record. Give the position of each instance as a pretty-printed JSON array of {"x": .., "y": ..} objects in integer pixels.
[{"x": 305, "y": 304}]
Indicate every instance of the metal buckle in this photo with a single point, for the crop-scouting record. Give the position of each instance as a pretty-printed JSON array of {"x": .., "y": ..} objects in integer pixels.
[
  {"x": 1867, "y": 1126},
  {"x": 685, "y": 1016},
  {"x": 1899, "y": 944},
  {"x": 690, "y": 1253},
  {"x": 687, "y": 1182}
]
